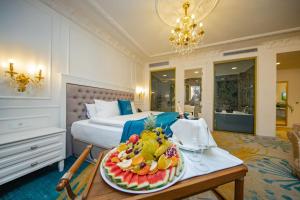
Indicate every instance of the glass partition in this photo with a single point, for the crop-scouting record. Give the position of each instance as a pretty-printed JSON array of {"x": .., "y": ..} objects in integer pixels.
[
  {"x": 163, "y": 90},
  {"x": 234, "y": 96}
]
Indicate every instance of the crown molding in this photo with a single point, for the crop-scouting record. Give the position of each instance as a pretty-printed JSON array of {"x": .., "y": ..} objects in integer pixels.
[
  {"x": 234, "y": 40},
  {"x": 92, "y": 28},
  {"x": 113, "y": 22}
]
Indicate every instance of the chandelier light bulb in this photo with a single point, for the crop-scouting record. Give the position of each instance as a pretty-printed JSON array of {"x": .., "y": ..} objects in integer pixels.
[
  {"x": 201, "y": 24},
  {"x": 193, "y": 16}
]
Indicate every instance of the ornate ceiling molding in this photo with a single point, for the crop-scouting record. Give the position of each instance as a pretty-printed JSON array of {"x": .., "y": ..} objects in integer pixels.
[{"x": 83, "y": 21}]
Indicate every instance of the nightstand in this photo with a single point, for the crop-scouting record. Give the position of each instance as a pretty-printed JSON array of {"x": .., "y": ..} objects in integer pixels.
[{"x": 27, "y": 151}]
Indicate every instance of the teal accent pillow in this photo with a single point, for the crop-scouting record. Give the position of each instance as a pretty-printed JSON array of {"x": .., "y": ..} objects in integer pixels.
[{"x": 125, "y": 107}]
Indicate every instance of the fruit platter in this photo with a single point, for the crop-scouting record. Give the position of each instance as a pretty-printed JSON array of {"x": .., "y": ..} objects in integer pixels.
[{"x": 143, "y": 164}]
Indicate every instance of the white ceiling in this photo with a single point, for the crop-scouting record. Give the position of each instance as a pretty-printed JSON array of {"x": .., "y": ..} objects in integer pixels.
[{"x": 137, "y": 21}]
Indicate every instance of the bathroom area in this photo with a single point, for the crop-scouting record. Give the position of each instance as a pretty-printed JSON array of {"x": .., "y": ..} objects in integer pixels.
[{"x": 234, "y": 96}]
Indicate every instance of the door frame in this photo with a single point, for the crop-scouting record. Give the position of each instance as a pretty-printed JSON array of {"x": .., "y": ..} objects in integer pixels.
[
  {"x": 255, "y": 87},
  {"x": 150, "y": 81}
]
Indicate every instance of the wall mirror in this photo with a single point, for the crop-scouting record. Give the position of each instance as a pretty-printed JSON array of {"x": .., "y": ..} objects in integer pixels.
[
  {"x": 281, "y": 103},
  {"x": 193, "y": 91}
]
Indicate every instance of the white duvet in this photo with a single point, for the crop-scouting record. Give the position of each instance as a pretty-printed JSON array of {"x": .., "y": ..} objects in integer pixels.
[{"x": 120, "y": 120}]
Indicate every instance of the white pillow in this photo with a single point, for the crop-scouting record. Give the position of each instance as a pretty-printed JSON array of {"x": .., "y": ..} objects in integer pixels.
[
  {"x": 90, "y": 110},
  {"x": 133, "y": 107},
  {"x": 107, "y": 108}
]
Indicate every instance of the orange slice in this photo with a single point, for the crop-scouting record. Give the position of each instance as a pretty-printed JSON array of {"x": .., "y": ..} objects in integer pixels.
[
  {"x": 144, "y": 170},
  {"x": 137, "y": 159},
  {"x": 163, "y": 162}
]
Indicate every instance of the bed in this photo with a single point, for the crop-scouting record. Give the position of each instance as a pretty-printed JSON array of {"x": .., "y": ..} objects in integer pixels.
[
  {"x": 76, "y": 97},
  {"x": 104, "y": 132}
]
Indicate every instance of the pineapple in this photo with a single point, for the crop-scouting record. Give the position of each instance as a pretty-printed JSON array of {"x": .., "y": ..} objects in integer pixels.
[{"x": 150, "y": 122}]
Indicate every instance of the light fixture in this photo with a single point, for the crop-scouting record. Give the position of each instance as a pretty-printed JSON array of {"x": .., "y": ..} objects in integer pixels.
[
  {"x": 196, "y": 72},
  {"x": 165, "y": 75},
  {"x": 187, "y": 33},
  {"x": 22, "y": 80},
  {"x": 278, "y": 63},
  {"x": 234, "y": 68},
  {"x": 140, "y": 92}
]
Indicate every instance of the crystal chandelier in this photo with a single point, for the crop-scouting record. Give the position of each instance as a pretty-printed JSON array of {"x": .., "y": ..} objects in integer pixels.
[{"x": 187, "y": 33}]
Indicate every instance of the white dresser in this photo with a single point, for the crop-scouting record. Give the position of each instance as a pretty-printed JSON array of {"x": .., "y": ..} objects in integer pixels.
[{"x": 27, "y": 151}]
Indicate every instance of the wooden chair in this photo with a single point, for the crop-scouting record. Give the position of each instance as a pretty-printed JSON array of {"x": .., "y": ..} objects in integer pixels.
[{"x": 64, "y": 182}]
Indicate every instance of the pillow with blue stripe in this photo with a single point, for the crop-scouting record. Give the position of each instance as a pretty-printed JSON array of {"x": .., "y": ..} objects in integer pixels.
[{"x": 125, "y": 107}]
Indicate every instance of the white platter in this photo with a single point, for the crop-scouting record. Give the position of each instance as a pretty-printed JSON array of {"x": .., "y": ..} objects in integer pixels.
[{"x": 115, "y": 186}]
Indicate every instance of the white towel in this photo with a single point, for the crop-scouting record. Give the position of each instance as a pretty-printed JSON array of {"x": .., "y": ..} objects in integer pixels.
[{"x": 186, "y": 131}]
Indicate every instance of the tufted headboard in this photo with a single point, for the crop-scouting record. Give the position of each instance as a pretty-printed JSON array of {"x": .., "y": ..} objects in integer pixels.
[{"x": 78, "y": 95}]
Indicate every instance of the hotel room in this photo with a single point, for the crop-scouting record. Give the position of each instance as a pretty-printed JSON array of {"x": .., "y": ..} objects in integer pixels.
[{"x": 156, "y": 99}]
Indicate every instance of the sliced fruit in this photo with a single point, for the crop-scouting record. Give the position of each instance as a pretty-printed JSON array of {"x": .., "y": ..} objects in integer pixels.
[
  {"x": 142, "y": 182},
  {"x": 122, "y": 181},
  {"x": 133, "y": 182},
  {"x": 122, "y": 147},
  {"x": 128, "y": 177},
  {"x": 147, "y": 156},
  {"x": 119, "y": 176},
  {"x": 125, "y": 164},
  {"x": 150, "y": 146},
  {"x": 144, "y": 170},
  {"x": 159, "y": 179},
  {"x": 174, "y": 160},
  {"x": 163, "y": 162},
  {"x": 113, "y": 171},
  {"x": 137, "y": 159},
  {"x": 172, "y": 174},
  {"x": 161, "y": 150},
  {"x": 153, "y": 165},
  {"x": 108, "y": 165},
  {"x": 115, "y": 159},
  {"x": 122, "y": 154}
]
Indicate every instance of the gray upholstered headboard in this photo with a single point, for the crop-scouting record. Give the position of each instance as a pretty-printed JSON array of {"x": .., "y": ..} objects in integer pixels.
[{"x": 78, "y": 95}]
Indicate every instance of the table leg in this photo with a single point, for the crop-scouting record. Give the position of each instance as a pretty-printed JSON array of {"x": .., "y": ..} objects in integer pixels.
[{"x": 239, "y": 189}]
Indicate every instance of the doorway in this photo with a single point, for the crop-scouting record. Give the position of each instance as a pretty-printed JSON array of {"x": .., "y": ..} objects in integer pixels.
[
  {"x": 288, "y": 92},
  {"x": 234, "y": 95},
  {"x": 162, "y": 90}
]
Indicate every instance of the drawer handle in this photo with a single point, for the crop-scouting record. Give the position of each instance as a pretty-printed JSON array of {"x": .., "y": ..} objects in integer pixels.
[
  {"x": 34, "y": 147},
  {"x": 34, "y": 164}
]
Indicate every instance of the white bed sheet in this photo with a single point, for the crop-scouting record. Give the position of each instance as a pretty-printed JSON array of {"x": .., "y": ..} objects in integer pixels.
[
  {"x": 120, "y": 120},
  {"x": 96, "y": 134}
]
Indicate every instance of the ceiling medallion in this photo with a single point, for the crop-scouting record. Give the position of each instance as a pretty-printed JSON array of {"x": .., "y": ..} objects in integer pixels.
[{"x": 187, "y": 29}]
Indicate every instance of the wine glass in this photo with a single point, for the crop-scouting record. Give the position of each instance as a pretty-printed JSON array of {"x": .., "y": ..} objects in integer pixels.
[{"x": 197, "y": 155}]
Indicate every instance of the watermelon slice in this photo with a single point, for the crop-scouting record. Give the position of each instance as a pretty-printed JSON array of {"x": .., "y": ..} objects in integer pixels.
[
  {"x": 119, "y": 177},
  {"x": 108, "y": 165},
  {"x": 122, "y": 178},
  {"x": 114, "y": 171},
  {"x": 142, "y": 182},
  {"x": 172, "y": 173},
  {"x": 159, "y": 179},
  {"x": 128, "y": 178},
  {"x": 133, "y": 182}
]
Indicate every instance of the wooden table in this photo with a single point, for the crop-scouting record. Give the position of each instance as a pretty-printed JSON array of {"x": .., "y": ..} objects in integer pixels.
[{"x": 97, "y": 189}]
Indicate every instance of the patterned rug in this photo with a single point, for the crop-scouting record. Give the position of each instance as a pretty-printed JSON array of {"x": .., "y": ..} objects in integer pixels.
[{"x": 268, "y": 160}]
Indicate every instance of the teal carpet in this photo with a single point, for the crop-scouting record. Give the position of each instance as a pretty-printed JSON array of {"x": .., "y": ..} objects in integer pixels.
[{"x": 38, "y": 185}]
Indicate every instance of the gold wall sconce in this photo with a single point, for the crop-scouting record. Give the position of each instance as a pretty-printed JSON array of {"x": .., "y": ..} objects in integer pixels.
[
  {"x": 23, "y": 80},
  {"x": 140, "y": 92}
]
